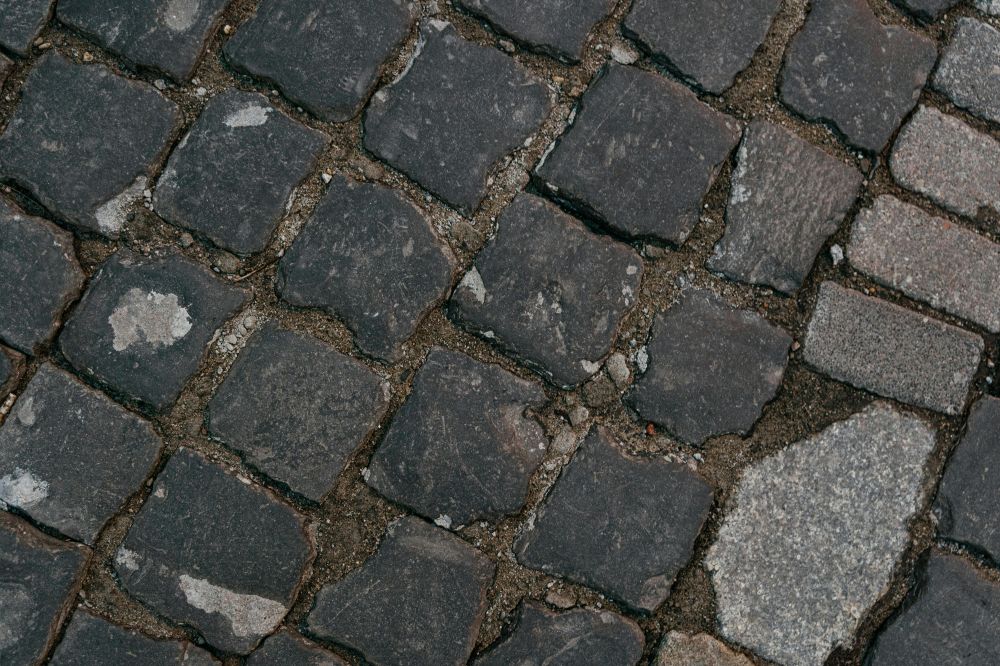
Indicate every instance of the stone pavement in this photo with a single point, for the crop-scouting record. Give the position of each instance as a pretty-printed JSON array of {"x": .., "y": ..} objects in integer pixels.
[{"x": 430, "y": 332}]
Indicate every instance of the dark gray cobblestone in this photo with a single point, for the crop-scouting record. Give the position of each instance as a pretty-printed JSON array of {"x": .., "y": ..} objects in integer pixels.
[
  {"x": 289, "y": 649},
  {"x": 22, "y": 21},
  {"x": 967, "y": 71}
]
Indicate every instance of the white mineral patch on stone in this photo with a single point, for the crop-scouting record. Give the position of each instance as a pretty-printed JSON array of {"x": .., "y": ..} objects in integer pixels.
[
  {"x": 251, "y": 115},
  {"x": 473, "y": 281},
  {"x": 443, "y": 521},
  {"x": 180, "y": 15},
  {"x": 156, "y": 319},
  {"x": 26, "y": 412},
  {"x": 111, "y": 216},
  {"x": 589, "y": 366},
  {"x": 22, "y": 489},
  {"x": 127, "y": 558},
  {"x": 247, "y": 614}
]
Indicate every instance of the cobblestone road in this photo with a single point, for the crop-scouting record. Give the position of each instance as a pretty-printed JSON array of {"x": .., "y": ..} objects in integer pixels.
[{"x": 591, "y": 332}]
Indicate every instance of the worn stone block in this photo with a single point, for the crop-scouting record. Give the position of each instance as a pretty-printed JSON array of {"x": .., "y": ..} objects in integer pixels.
[
  {"x": 787, "y": 198},
  {"x": 620, "y": 524},
  {"x": 40, "y": 276},
  {"x": 21, "y": 21},
  {"x": 967, "y": 71},
  {"x": 991, "y": 7},
  {"x": 418, "y": 601},
  {"x": 889, "y": 350},
  {"x": 640, "y": 154},
  {"x": 84, "y": 141},
  {"x": 144, "y": 324},
  {"x": 712, "y": 368},
  {"x": 287, "y": 648},
  {"x": 91, "y": 640},
  {"x": 549, "y": 291},
  {"x": 927, "y": 10},
  {"x": 296, "y": 409},
  {"x": 232, "y": 579},
  {"x": 847, "y": 69},
  {"x": 697, "y": 650},
  {"x": 369, "y": 257},
  {"x": 445, "y": 141}
]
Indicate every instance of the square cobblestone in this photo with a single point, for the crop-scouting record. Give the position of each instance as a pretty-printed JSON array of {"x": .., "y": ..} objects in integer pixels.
[
  {"x": 462, "y": 447},
  {"x": 39, "y": 583},
  {"x": 70, "y": 457},
  {"x": 83, "y": 141},
  {"x": 712, "y": 368},
  {"x": 640, "y": 154},
  {"x": 847, "y": 69},
  {"x": 21, "y": 21},
  {"x": 555, "y": 27},
  {"x": 549, "y": 291},
  {"x": 166, "y": 36},
  {"x": 231, "y": 177},
  {"x": 708, "y": 42},
  {"x": 787, "y": 198},
  {"x": 370, "y": 258},
  {"x": 967, "y": 71},
  {"x": 881, "y": 347},
  {"x": 234, "y": 579},
  {"x": 325, "y": 57},
  {"x": 316, "y": 407},
  {"x": 418, "y": 601},
  {"x": 41, "y": 277},
  {"x": 91, "y": 640},
  {"x": 620, "y": 524},
  {"x": 286, "y": 648},
  {"x": 144, "y": 324},
  {"x": 445, "y": 141}
]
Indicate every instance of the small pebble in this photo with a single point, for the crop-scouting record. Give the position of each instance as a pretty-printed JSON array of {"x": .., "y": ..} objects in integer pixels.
[
  {"x": 837, "y": 254},
  {"x": 565, "y": 442},
  {"x": 579, "y": 415},
  {"x": 560, "y": 599},
  {"x": 618, "y": 370}
]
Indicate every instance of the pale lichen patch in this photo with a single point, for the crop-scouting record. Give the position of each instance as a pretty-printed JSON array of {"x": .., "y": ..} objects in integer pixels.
[
  {"x": 22, "y": 489},
  {"x": 158, "y": 320},
  {"x": 247, "y": 614}
]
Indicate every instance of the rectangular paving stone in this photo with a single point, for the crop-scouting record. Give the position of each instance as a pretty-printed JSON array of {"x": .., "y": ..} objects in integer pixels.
[
  {"x": 168, "y": 36},
  {"x": 370, "y": 258},
  {"x": 144, "y": 324},
  {"x": 787, "y": 197},
  {"x": 21, "y": 21},
  {"x": 949, "y": 162},
  {"x": 967, "y": 72},
  {"x": 847, "y": 69},
  {"x": 287, "y": 648},
  {"x": 881, "y": 347},
  {"x": 40, "y": 277},
  {"x": 708, "y": 42},
  {"x": 623, "y": 525},
  {"x": 448, "y": 142},
  {"x": 296, "y": 408},
  {"x": 555, "y": 27},
  {"x": 929, "y": 259},
  {"x": 462, "y": 447},
  {"x": 418, "y": 601},
  {"x": 40, "y": 579},
  {"x": 325, "y": 57},
  {"x": 70, "y": 457},
  {"x": 231, "y": 176},
  {"x": 214, "y": 552},
  {"x": 549, "y": 291},
  {"x": 640, "y": 154}
]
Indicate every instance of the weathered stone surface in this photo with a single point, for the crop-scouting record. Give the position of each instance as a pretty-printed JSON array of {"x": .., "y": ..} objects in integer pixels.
[
  {"x": 445, "y": 141},
  {"x": 286, "y": 648},
  {"x": 929, "y": 259},
  {"x": 580, "y": 637},
  {"x": 233, "y": 579},
  {"x": 231, "y": 176},
  {"x": 549, "y": 291},
  {"x": 847, "y": 69},
  {"x": 927, "y": 10},
  {"x": 58, "y": 429},
  {"x": 967, "y": 499},
  {"x": 640, "y": 155},
  {"x": 296, "y": 408},
  {"x": 787, "y": 197},
  {"x": 40, "y": 580},
  {"x": 462, "y": 447},
  {"x": 889, "y": 350},
  {"x": 712, "y": 368},
  {"x": 325, "y": 57},
  {"x": 143, "y": 325},
  {"x": 707, "y": 41},
  {"x": 555, "y": 27},
  {"x": 370, "y": 258},
  {"x": 91, "y": 640},
  {"x": 419, "y": 600},
  {"x": 21, "y": 21},
  {"x": 699, "y": 650},
  {"x": 991, "y": 7},
  {"x": 5, "y": 66},
  {"x": 952, "y": 618},
  {"x": 83, "y": 141},
  {"x": 166, "y": 36},
  {"x": 620, "y": 524},
  {"x": 813, "y": 534},
  {"x": 946, "y": 160},
  {"x": 40, "y": 277},
  {"x": 967, "y": 71}
]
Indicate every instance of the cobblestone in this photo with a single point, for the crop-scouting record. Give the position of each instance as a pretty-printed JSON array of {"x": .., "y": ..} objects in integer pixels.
[
  {"x": 928, "y": 10},
  {"x": 91, "y": 640},
  {"x": 697, "y": 650},
  {"x": 967, "y": 73},
  {"x": 640, "y": 154},
  {"x": 289, "y": 649},
  {"x": 21, "y": 21}
]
